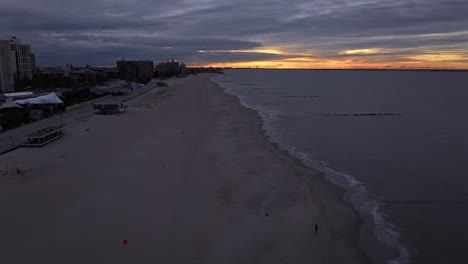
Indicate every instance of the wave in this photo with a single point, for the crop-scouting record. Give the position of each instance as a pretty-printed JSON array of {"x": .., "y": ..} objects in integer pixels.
[
  {"x": 362, "y": 201},
  {"x": 359, "y": 197}
]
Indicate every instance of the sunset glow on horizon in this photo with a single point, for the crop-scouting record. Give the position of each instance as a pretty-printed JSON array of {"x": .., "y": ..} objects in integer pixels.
[
  {"x": 370, "y": 58},
  {"x": 269, "y": 34}
]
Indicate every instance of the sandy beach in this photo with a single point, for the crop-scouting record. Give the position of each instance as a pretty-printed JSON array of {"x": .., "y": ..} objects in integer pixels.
[{"x": 184, "y": 176}]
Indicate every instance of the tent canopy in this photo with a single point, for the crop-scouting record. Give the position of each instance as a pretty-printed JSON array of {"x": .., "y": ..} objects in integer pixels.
[
  {"x": 18, "y": 94},
  {"x": 51, "y": 98},
  {"x": 9, "y": 104}
]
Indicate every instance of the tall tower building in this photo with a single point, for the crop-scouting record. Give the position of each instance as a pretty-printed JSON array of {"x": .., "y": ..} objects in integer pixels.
[
  {"x": 33, "y": 63},
  {"x": 16, "y": 63},
  {"x": 7, "y": 67},
  {"x": 23, "y": 59}
]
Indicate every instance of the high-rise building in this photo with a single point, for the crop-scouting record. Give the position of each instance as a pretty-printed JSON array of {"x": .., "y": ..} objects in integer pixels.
[
  {"x": 67, "y": 69},
  {"x": 16, "y": 63},
  {"x": 33, "y": 63},
  {"x": 7, "y": 67},
  {"x": 23, "y": 59}
]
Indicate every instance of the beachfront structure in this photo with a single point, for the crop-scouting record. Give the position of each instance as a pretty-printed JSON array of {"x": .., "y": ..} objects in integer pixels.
[
  {"x": 9, "y": 104},
  {"x": 109, "y": 108},
  {"x": 41, "y": 106},
  {"x": 136, "y": 71},
  {"x": 48, "y": 99},
  {"x": 16, "y": 63},
  {"x": 18, "y": 95},
  {"x": 113, "y": 87},
  {"x": 11, "y": 114},
  {"x": 44, "y": 136},
  {"x": 168, "y": 68}
]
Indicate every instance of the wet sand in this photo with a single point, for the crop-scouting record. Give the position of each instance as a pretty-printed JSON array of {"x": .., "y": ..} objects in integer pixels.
[{"x": 186, "y": 176}]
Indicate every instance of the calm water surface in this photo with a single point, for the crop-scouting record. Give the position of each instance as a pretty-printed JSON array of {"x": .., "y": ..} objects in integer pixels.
[{"x": 408, "y": 168}]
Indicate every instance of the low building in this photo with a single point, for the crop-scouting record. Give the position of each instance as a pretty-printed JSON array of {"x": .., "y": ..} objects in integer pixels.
[
  {"x": 110, "y": 72},
  {"x": 136, "y": 71},
  {"x": 113, "y": 87},
  {"x": 108, "y": 108},
  {"x": 168, "y": 68}
]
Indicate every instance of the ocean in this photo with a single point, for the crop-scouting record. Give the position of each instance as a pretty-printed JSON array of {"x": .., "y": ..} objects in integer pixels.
[{"x": 396, "y": 140}]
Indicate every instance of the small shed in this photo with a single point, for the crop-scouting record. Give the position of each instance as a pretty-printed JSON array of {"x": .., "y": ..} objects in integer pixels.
[{"x": 108, "y": 108}]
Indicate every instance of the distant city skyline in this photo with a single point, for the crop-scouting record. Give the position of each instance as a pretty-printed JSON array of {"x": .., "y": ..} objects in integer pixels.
[{"x": 268, "y": 34}]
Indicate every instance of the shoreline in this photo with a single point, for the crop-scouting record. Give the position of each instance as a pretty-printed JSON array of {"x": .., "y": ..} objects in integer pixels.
[
  {"x": 188, "y": 176},
  {"x": 374, "y": 250}
]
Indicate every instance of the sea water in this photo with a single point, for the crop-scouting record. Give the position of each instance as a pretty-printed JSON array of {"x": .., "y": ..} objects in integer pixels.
[{"x": 397, "y": 140}]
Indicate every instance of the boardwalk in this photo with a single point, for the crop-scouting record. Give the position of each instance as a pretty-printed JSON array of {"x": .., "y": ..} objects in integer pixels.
[{"x": 13, "y": 138}]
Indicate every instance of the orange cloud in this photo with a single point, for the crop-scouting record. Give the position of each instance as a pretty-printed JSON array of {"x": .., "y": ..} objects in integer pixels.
[
  {"x": 360, "y": 51},
  {"x": 439, "y": 57},
  {"x": 265, "y": 50},
  {"x": 378, "y": 58}
]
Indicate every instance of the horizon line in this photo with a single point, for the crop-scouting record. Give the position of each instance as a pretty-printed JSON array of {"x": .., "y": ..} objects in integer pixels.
[{"x": 272, "y": 68}]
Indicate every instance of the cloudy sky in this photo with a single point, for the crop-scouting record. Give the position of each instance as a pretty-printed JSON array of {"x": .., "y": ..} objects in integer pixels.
[{"x": 273, "y": 33}]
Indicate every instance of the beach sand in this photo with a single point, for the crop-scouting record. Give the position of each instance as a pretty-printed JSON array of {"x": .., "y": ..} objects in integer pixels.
[{"x": 186, "y": 176}]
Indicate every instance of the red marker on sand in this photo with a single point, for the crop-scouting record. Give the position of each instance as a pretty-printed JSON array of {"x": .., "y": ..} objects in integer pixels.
[{"x": 124, "y": 249}]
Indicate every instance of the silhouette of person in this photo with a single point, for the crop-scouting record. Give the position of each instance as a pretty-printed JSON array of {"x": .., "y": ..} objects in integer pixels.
[{"x": 316, "y": 228}]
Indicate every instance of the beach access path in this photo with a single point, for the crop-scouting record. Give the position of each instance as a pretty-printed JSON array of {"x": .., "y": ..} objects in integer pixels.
[{"x": 184, "y": 176}]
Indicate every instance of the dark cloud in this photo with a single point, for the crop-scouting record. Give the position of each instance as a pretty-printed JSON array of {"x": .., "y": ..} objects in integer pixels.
[
  {"x": 195, "y": 43},
  {"x": 98, "y": 32}
]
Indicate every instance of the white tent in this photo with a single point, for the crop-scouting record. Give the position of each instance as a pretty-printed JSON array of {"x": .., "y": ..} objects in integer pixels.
[
  {"x": 51, "y": 98},
  {"x": 9, "y": 104},
  {"x": 18, "y": 94}
]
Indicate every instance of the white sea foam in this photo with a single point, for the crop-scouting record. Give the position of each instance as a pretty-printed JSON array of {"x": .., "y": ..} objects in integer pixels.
[{"x": 359, "y": 198}]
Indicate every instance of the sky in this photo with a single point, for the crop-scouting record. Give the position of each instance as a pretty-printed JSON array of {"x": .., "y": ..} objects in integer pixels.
[{"x": 242, "y": 33}]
